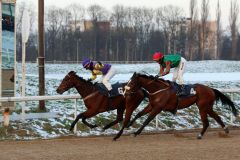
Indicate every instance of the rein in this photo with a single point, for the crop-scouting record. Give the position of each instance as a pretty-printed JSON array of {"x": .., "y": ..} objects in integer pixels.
[
  {"x": 90, "y": 95},
  {"x": 158, "y": 91}
]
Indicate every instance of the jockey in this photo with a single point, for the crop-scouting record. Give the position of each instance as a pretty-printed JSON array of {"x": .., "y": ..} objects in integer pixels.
[
  {"x": 171, "y": 61},
  {"x": 98, "y": 68}
]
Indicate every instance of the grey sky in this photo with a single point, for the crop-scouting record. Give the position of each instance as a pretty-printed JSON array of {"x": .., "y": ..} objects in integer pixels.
[{"x": 225, "y": 5}]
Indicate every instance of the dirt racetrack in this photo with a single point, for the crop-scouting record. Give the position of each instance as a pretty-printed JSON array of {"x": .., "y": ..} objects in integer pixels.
[{"x": 165, "y": 146}]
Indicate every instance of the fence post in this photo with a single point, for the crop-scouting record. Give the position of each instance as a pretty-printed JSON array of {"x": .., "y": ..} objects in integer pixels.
[
  {"x": 75, "y": 114},
  {"x": 231, "y": 118},
  {"x": 23, "y": 111},
  {"x": 156, "y": 123}
]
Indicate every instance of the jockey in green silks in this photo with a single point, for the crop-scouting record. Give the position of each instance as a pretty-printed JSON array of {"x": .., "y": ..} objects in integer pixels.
[{"x": 167, "y": 62}]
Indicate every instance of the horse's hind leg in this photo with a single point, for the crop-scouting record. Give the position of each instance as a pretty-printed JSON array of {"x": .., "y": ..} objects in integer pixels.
[
  {"x": 217, "y": 118},
  {"x": 119, "y": 118},
  {"x": 88, "y": 124},
  {"x": 205, "y": 122},
  {"x": 146, "y": 110},
  {"x": 150, "y": 117},
  {"x": 75, "y": 121},
  {"x": 84, "y": 115}
]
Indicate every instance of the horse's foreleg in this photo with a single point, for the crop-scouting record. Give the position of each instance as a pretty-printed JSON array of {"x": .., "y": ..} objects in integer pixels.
[
  {"x": 126, "y": 121},
  {"x": 119, "y": 118},
  {"x": 146, "y": 110},
  {"x": 146, "y": 122}
]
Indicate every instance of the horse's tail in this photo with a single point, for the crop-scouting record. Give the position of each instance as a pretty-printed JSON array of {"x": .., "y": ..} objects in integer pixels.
[{"x": 225, "y": 100}]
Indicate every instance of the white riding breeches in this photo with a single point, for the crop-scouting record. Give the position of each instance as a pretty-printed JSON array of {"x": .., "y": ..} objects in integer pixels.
[
  {"x": 106, "y": 78},
  {"x": 179, "y": 70}
]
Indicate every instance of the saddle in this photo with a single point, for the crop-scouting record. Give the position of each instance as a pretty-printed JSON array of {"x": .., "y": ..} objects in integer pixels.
[
  {"x": 117, "y": 89},
  {"x": 183, "y": 90}
]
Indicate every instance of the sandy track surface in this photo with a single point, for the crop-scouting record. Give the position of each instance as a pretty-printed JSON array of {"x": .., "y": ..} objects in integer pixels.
[{"x": 165, "y": 146}]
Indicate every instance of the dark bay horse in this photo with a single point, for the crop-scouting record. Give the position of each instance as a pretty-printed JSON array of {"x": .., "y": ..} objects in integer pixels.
[
  {"x": 97, "y": 102},
  {"x": 163, "y": 97}
]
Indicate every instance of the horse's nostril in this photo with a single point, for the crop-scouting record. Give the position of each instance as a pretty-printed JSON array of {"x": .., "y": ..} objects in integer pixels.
[{"x": 57, "y": 90}]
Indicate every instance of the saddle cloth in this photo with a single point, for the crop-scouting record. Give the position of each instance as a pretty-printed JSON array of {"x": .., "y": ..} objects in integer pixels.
[
  {"x": 117, "y": 89},
  {"x": 185, "y": 89}
]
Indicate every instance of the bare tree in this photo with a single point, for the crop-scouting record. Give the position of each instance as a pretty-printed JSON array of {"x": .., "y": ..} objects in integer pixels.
[
  {"x": 77, "y": 14},
  {"x": 204, "y": 27},
  {"x": 147, "y": 25},
  {"x": 233, "y": 18},
  {"x": 54, "y": 25},
  {"x": 97, "y": 13},
  {"x": 117, "y": 21},
  {"x": 171, "y": 19},
  {"x": 219, "y": 31},
  {"x": 192, "y": 30},
  {"x": 162, "y": 25}
]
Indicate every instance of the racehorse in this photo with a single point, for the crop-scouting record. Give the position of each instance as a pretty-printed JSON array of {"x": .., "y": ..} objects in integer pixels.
[
  {"x": 163, "y": 97},
  {"x": 95, "y": 101}
]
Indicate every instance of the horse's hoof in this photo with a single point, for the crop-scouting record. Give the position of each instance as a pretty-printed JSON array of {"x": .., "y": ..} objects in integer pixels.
[
  {"x": 135, "y": 134},
  {"x": 199, "y": 136},
  {"x": 226, "y": 130},
  {"x": 132, "y": 135},
  {"x": 94, "y": 126}
]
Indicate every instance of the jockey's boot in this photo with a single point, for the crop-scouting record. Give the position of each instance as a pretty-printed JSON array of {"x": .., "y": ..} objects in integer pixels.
[{"x": 110, "y": 93}]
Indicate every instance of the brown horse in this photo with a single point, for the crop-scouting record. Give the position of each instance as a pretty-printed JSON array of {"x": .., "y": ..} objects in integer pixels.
[
  {"x": 163, "y": 97},
  {"x": 95, "y": 101}
]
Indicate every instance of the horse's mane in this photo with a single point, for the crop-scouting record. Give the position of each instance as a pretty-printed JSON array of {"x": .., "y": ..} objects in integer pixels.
[
  {"x": 152, "y": 77},
  {"x": 82, "y": 79}
]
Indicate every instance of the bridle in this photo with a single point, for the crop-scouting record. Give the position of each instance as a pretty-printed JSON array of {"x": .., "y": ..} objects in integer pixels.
[
  {"x": 137, "y": 85},
  {"x": 67, "y": 82}
]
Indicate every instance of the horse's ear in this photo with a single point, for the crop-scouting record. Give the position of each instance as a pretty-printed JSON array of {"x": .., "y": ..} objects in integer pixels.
[{"x": 72, "y": 72}]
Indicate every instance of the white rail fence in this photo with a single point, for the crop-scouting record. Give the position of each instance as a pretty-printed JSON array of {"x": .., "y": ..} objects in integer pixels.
[
  {"x": 39, "y": 98},
  {"x": 75, "y": 97}
]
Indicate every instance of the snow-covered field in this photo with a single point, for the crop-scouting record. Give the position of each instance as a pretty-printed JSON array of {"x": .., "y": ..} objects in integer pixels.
[{"x": 217, "y": 74}]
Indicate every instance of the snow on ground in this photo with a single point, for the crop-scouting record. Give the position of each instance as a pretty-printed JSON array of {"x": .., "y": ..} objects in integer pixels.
[{"x": 217, "y": 74}]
